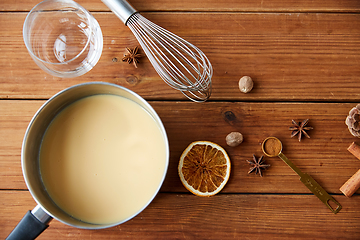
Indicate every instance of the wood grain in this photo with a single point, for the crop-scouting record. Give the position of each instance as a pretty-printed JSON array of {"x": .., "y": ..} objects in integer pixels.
[
  {"x": 208, "y": 5},
  {"x": 291, "y": 57},
  {"x": 225, "y": 216},
  {"x": 324, "y": 156},
  {"x": 304, "y": 59},
  {"x": 14, "y": 118}
]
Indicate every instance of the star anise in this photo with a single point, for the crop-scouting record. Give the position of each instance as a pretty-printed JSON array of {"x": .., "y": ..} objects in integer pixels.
[
  {"x": 257, "y": 165},
  {"x": 300, "y": 128},
  {"x": 132, "y": 56}
]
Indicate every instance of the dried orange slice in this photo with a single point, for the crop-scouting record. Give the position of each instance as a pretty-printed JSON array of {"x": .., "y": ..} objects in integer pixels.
[{"x": 204, "y": 168}]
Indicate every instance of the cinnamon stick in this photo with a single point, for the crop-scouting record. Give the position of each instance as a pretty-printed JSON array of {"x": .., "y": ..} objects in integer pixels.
[
  {"x": 353, "y": 184},
  {"x": 354, "y": 149}
]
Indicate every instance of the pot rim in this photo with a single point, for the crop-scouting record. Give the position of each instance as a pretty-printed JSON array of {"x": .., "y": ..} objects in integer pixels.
[{"x": 144, "y": 104}]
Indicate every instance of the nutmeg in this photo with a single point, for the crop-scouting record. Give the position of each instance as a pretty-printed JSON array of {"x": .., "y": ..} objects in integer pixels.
[
  {"x": 246, "y": 84},
  {"x": 233, "y": 139}
]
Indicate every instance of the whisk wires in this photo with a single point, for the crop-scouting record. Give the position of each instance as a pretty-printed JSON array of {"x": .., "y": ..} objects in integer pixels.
[{"x": 179, "y": 63}]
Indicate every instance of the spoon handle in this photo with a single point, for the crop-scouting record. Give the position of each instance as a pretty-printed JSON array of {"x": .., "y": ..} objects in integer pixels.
[
  {"x": 290, "y": 164},
  {"x": 316, "y": 189},
  {"x": 312, "y": 185}
]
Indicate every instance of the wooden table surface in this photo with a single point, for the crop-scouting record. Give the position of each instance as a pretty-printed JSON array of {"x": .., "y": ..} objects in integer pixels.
[{"x": 304, "y": 58}]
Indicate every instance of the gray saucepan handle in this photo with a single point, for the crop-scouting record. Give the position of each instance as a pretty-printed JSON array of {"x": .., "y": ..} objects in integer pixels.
[{"x": 31, "y": 225}]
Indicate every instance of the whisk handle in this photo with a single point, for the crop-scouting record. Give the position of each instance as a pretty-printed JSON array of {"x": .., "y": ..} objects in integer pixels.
[{"x": 121, "y": 8}]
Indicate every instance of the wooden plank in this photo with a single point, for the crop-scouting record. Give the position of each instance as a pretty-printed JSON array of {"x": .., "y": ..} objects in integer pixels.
[
  {"x": 210, "y": 5},
  {"x": 182, "y": 216},
  {"x": 291, "y": 57},
  {"x": 14, "y": 118},
  {"x": 324, "y": 155}
]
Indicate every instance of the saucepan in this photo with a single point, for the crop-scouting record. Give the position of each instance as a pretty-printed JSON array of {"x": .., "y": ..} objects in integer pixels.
[{"x": 37, "y": 220}]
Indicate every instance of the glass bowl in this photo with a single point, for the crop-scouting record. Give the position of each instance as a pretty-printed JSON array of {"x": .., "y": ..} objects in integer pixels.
[{"x": 63, "y": 38}]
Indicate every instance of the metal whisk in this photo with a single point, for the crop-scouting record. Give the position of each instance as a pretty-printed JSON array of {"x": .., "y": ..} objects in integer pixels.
[{"x": 179, "y": 63}]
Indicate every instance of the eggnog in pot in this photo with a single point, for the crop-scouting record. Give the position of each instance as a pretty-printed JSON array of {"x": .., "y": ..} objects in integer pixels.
[{"x": 102, "y": 159}]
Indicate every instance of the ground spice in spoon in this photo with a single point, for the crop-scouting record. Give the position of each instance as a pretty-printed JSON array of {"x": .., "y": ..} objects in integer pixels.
[{"x": 272, "y": 147}]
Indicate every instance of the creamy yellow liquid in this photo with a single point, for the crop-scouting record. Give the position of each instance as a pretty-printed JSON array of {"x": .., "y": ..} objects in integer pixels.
[{"x": 102, "y": 159}]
